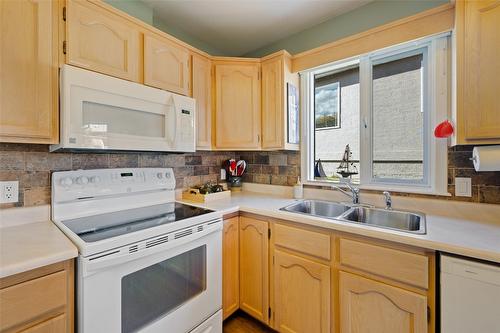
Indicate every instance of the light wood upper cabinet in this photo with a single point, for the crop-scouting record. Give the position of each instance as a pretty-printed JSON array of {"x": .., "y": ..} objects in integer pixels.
[
  {"x": 276, "y": 73},
  {"x": 370, "y": 306},
  {"x": 478, "y": 71},
  {"x": 254, "y": 271},
  {"x": 28, "y": 73},
  {"x": 166, "y": 64},
  {"x": 230, "y": 267},
  {"x": 301, "y": 294},
  {"x": 272, "y": 103},
  {"x": 202, "y": 93},
  {"x": 237, "y": 114},
  {"x": 99, "y": 40}
]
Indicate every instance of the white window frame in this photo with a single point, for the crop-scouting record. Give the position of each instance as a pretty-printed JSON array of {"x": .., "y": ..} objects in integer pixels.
[{"x": 435, "y": 105}]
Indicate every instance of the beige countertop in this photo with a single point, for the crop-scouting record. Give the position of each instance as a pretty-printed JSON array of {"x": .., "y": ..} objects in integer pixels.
[
  {"x": 28, "y": 240},
  {"x": 465, "y": 237}
]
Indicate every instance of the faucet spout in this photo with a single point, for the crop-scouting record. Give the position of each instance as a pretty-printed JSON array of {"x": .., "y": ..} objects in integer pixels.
[{"x": 353, "y": 191}]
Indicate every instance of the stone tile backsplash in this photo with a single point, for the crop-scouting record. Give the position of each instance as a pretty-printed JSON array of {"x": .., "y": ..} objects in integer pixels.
[{"x": 32, "y": 165}]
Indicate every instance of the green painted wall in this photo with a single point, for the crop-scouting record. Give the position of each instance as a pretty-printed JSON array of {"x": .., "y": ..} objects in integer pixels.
[
  {"x": 185, "y": 37},
  {"x": 366, "y": 17},
  {"x": 144, "y": 13},
  {"x": 135, "y": 8}
]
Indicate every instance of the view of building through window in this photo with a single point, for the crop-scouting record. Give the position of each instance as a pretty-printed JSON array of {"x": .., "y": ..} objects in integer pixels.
[
  {"x": 341, "y": 103},
  {"x": 397, "y": 118}
]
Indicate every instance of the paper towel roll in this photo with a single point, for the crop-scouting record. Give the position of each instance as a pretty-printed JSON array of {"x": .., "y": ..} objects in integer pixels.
[{"x": 486, "y": 158}]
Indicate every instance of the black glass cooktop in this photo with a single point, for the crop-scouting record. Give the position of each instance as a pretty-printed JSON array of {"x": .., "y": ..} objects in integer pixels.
[{"x": 98, "y": 227}]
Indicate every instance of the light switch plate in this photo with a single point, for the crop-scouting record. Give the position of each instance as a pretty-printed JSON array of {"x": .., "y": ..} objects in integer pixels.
[
  {"x": 9, "y": 192},
  {"x": 222, "y": 174},
  {"x": 463, "y": 187}
]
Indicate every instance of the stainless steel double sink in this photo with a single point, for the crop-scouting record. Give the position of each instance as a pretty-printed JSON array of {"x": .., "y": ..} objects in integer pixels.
[{"x": 376, "y": 217}]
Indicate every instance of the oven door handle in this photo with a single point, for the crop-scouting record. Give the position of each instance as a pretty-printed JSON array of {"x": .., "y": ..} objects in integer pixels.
[{"x": 98, "y": 262}]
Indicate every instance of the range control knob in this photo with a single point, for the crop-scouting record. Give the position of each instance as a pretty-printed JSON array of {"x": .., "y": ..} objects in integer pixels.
[
  {"x": 82, "y": 180},
  {"x": 95, "y": 179},
  {"x": 66, "y": 181},
  {"x": 159, "y": 175}
]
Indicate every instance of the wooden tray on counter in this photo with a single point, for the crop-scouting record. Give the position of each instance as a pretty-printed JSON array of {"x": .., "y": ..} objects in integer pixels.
[{"x": 195, "y": 195}]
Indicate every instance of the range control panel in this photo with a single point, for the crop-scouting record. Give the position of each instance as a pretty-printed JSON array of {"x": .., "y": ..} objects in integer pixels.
[{"x": 85, "y": 184}]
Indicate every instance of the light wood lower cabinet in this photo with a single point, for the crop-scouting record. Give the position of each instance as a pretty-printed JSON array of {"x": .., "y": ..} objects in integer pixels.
[
  {"x": 301, "y": 294},
  {"x": 254, "y": 268},
  {"x": 40, "y": 300},
  {"x": 305, "y": 279},
  {"x": 166, "y": 65},
  {"x": 100, "y": 40},
  {"x": 54, "y": 325},
  {"x": 230, "y": 267},
  {"x": 28, "y": 74},
  {"x": 370, "y": 306}
]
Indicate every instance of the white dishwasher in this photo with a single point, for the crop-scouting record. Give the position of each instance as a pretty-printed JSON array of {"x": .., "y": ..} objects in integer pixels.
[{"x": 470, "y": 296}]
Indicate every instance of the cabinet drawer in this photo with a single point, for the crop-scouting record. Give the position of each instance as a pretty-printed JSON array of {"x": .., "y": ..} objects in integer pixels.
[
  {"x": 309, "y": 242},
  {"x": 32, "y": 299},
  {"x": 401, "y": 266},
  {"x": 53, "y": 325}
]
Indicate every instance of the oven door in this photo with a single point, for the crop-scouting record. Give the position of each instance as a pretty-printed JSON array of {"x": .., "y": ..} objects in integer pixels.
[{"x": 170, "y": 287}]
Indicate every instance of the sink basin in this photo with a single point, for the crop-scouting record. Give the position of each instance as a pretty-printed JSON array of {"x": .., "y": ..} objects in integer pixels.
[
  {"x": 317, "y": 208},
  {"x": 390, "y": 219}
]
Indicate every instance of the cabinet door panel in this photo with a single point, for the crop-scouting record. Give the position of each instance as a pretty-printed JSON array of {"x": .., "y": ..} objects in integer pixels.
[
  {"x": 272, "y": 103},
  {"x": 166, "y": 65},
  {"x": 482, "y": 71},
  {"x": 370, "y": 306},
  {"x": 202, "y": 93},
  {"x": 254, "y": 271},
  {"x": 28, "y": 72},
  {"x": 237, "y": 106},
  {"x": 302, "y": 294},
  {"x": 99, "y": 40},
  {"x": 230, "y": 267}
]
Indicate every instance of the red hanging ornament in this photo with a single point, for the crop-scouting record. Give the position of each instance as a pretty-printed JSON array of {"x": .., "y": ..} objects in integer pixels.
[{"x": 444, "y": 129}]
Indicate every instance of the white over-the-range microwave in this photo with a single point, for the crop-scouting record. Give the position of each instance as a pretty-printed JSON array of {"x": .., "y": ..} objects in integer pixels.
[{"x": 100, "y": 112}]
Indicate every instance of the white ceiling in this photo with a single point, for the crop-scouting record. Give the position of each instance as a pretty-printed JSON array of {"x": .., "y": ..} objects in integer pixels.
[{"x": 236, "y": 27}]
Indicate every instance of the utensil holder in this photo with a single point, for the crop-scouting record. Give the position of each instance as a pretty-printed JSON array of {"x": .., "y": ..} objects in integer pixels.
[{"x": 234, "y": 183}]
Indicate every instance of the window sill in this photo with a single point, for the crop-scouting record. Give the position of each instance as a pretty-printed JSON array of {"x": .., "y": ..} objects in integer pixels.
[{"x": 386, "y": 187}]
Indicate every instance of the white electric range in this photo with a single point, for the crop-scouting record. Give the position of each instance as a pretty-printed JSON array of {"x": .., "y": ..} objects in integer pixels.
[{"x": 146, "y": 263}]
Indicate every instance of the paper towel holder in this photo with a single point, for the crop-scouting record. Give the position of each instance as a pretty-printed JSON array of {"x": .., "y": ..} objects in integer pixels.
[{"x": 491, "y": 158}]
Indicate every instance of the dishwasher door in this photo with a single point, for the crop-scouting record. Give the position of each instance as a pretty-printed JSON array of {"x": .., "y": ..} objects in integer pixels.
[{"x": 470, "y": 296}]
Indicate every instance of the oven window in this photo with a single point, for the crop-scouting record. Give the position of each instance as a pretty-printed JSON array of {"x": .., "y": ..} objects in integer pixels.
[{"x": 156, "y": 290}]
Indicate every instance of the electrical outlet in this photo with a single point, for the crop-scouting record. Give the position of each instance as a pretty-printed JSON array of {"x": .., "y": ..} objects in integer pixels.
[
  {"x": 9, "y": 192},
  {"x": 463, "y": 187},
  {"x": 222, "y": 174}
]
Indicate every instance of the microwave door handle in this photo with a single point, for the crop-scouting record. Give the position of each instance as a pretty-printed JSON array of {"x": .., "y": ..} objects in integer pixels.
[{"x": 171, "y": 125}]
